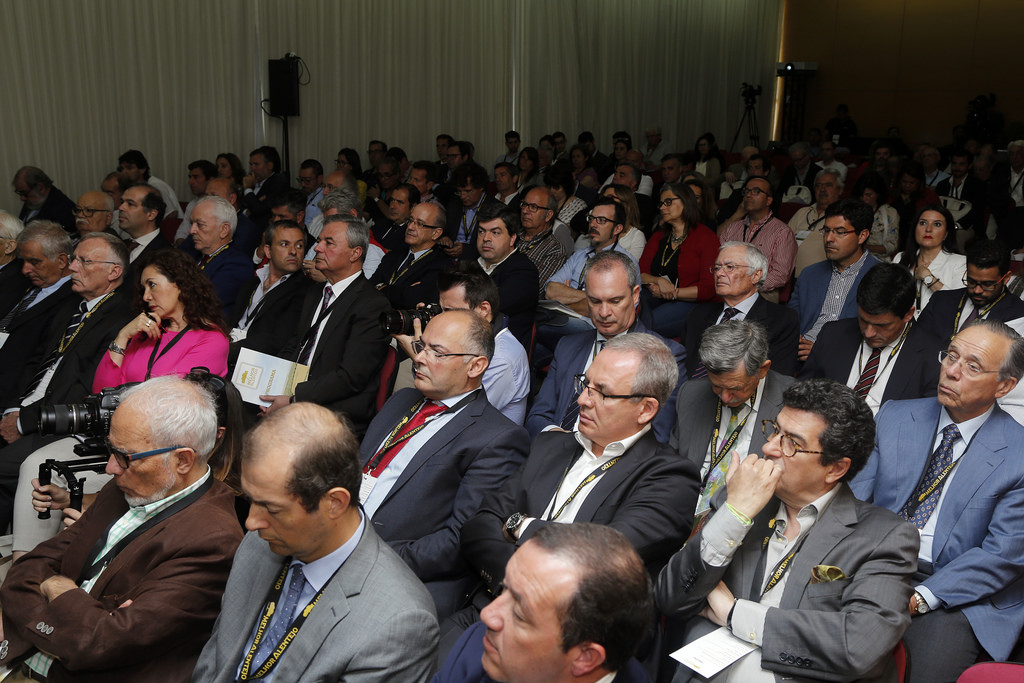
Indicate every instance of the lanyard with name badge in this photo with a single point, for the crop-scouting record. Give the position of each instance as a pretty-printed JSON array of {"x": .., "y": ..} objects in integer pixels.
[
  {"x": 731, "y": 441},
  {"x": 155, "y": 356}
]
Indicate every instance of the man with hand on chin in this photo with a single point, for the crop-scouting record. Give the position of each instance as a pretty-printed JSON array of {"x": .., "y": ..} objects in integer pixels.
[{"x": 789, "y": 560}]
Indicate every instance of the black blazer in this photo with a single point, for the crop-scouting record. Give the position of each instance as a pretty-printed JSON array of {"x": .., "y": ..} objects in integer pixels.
[
  {"x": 276, "y": 318},
  {"x": 258, "y": 206},
  {"x": 415, "y": 285},
  {"x": 781, "y": 322},
  {"x": 453, "y": 223},
  {"x": 344, "y": 373},
  {"x": 228, "y": 271},
  {"x": 131, "y": 277},
  {"x": 940, "y": 313},
  {"x": 649, "y": 495},
  {"x": 13, "y": 285},
  {"x": 789, "y": 179},
  {"x": 518, "y": 287},
  {"x": 72, "y": 380},
  {"x": 915, "y": 373},
  {"x": 28, "y": 333},
  {"x": 974, "y": 192},
  {"x": 58, "y": 208}
]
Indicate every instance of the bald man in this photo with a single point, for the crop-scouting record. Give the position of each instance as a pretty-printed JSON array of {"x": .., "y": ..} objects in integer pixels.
[{"x": 94, "y": 212}]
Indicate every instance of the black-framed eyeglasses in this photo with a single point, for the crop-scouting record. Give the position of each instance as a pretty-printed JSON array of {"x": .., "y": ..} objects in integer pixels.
[
  {"x": 419, "y": 347},
  {"x": 968, "y": 367},
  {"x": 419, "y": 225},
  {"x": 531, "y": 207},
  {"x": 987, "y": 286},
  {"x": 770, "y": 429},
  {"x": 600, "y": 220},
  {"x": 753, "y": 191},
  {"x": 581, "y": 382},
  {"x": 667, "y": 201},
  {"x": 124, "y": 459},
  {"x": 86, "y": 212}
]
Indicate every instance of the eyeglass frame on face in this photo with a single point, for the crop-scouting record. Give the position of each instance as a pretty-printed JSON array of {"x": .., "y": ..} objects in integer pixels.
[
  {"x": 729, "y": 268},
  {"x": 124, "y": 459},
  {"x": 418, "y": 224},
  {"x": 969, "y": 368},
  {"x": 581, "y": 382},
  {"x": 838, "y": 232},
  {"x": 531, "y": 207},
  {"x": 86, "y": 212},
  {"x": 419, "y": 347},
  {"x": 668, "y": 202},
  {"x": 784, "y": 438},
  {"x": 753, "y": 191},
  {"x": 600, "y": 220},
  {"x": 86, "y": 262},
  {"x": 985, "y": 286}
]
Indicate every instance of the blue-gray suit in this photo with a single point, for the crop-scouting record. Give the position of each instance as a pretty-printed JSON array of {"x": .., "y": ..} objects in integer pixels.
[
  {"x": 809, "y": 293},
  {"x": 978, "y": 551},
  {"x": 374, "y": 621}
]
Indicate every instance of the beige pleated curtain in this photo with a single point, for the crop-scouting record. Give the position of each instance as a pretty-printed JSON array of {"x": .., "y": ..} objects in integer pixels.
[{"x": 181, "y": 80}]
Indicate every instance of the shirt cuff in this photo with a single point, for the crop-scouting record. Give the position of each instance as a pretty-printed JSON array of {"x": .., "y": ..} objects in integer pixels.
[
  {"x": 721, "y": 537},
  {"x": 748, "y": 621},
  {"x": 16, "y": 409},
  {"x": 522, "y": 527},
  {"x": 929, "y": 597}
]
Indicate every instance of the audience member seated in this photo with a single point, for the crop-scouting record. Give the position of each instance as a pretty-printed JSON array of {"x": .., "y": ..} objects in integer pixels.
[
  {"x": 512, "y": 271},
  {"x": 633, "y": 238},
  {"x": 264, "y": 180},
  {"x": 388, "y": 175},
  {"x": 828, "y": 160},
  {"x": 611, "y": 471},
  {"x": 422, "y": 177},
  {"x": 910, "y": 196},
  {"x": 213, "y": 225},
  {"x": 107, "y": 601},
  {"x": 506, "y": 177},
  {"x": 459, "y": 238},
  {"x": 339, "y": 336},
  {"x": 964, "y": 186},
  {"x": 967, "y": 587},
  {"x": 827, "y": 190},
  {"x": 247, "y": 236},
  {"x": 756, "y": 165},
  {"x": 739, "y": 272},
  {"x": 721, "y": 413},
  {"x": 41, "y": 200},
  {"x": 538, "y": 240},
  {"x": 200, "y": 172},
  {"x": 677, "y": 266},
  {"x": 933, "y": 175},
  {"x": 588, "y": 598},
  {"x": 230, "y": 166},
  {"x": 267, "y": 309},
  {"x": 408, "y": 276},
  {"x": 600, "y": 161},
  {"x": 882, "y": 355},
  {"x": 528, "y": 163},
  {"x": 931, "y": 254},
  {"x": 802, "y": 171},
  {"x": 827, "y": 290},
  {"x": 133, "y": 165},
  {"x": 710, "y": 162},
  {"x": 613, "y": 293},
  {"x": 311, "y": 182},
  {"x": 93, "y": 212},
  {"x": 872, "y": 189},
  {"x": 583, "y": 172},
  {"x": 13, "y": 282},
  {"x": 559, "y": 181},
  {"x": 1006, "y": 189},
  {"x": 369, "y": 613},
  {"x": 434, "y": 452},
  {"x": 389, "y": 231},
  {"x": 793, "y": 510},
  {"x": 139, "y": 216},
  {"x": 984, "y": 296},
  {"x": 765, "y": 231},
  {"x": 628, "y": 174}
]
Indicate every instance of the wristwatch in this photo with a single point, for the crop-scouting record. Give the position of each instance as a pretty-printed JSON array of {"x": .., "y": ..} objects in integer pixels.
[
  {"x": 921, "y": 605},
  {"x": 928, "y": 280},
  {"x": 511, "y": 525},
  {"x": 116, "y": 349}
]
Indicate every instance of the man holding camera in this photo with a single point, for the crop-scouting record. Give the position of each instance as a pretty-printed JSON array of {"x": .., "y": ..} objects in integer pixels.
[
  {"x": 131, "y": 591},
  {"x": 435, "y": 451}
]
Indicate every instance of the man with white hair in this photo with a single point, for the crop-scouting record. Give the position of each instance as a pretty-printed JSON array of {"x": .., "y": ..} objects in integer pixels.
[
  {"x": 213, "y": 225},
  {"x": 13, "y": 282},
  {"x": 131, "y": 591}
]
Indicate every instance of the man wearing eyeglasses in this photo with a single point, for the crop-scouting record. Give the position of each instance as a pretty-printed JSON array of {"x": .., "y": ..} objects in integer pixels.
[
  {"x": 739, "y": 271},
  {"x": 611, "y": 471},
  {"x": 470, "y": 181},
  {"x": 41, "y": 200},
  {"x": 538, "y": 240},
  {"x": 311, "y": 182},
  {"x": 436, "y": 451},
  {"x": 761, "y": 228},
  {"x": 789, "y": 561},
  {"x": 131, "y": 590},
  {"x": 881, "y": 354},
  {"x": 984, "y": 294},
  {"x": 408, "y": 276},
  {"x": 827, "y": 290},
  {"x": 94, "y": 212},
  {"x": 952, "y": 467}
]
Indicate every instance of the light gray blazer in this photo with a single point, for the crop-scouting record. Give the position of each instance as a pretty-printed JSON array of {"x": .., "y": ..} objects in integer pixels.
[{"x": 374, "y": 622}]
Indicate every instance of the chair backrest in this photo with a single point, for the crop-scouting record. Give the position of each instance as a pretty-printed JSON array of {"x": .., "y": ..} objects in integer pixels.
[
  {"x": 388, "y": 375},
  {"x": 169, "y": 227},
  {"x": 784, "y": 211},
  {"x": 902, "y": 662},
  {"x": 958, "y": 207},
  {"x": 993, "y": 672},
  {"x": 797, "y": 194}
]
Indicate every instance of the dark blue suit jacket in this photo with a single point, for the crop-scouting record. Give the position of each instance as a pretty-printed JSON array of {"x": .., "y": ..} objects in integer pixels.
[
  {"x": 557, "y": 391},
  {"x": 940, "y": 313},
  {"x": 977, "y": 550},
  {"x": 445, "y": 482},
  {"x": 464, "y": 664},
  {"x": 228, "y": 271},
  {"x": 809, "y": 293}
]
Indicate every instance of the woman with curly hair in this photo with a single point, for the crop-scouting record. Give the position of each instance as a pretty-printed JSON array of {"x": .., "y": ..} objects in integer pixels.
[
  {"x": 230, "y": 166},
  {"x": 179, "y": 327}
]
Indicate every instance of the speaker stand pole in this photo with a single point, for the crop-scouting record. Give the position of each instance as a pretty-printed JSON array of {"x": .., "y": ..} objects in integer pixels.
[{"x": 286, "y": 149}]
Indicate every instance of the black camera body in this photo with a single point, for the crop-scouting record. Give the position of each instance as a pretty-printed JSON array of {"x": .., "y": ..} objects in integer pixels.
[
  {"x": 91, "y": 417},
  {"x": 400, "y": 322}
]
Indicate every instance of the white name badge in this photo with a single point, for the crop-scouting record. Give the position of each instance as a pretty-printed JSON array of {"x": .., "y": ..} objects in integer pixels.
[
  {"x": 238, "y": 334},
  {"x": 366, "y": 487}
]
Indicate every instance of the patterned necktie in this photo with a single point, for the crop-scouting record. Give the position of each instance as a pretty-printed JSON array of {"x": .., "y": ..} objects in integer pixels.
[
  {"x": 56, "y": 352},
  {"x": 132, "y": 245},
  {"x": 728, "y": 314},
  {"x": 572, "y": 411},
  {"x": 716, "y": 477},
  {"x": 282, "y": 618},
  {"x": 428, "y": 410},
  {"x": 307, "y": 348},
  {"x": 25, "y": 302},
  {"x": 867, "y": 377},
  {"x": 922, "y": 503}
]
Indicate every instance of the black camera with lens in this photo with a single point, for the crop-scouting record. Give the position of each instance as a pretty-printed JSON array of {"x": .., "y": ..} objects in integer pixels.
[
  {"x": 400, "y": 322},
  {"x": 91, "y": 417}
]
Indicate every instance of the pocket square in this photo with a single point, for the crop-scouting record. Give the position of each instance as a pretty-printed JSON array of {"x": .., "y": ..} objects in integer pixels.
[{"x": 824, "y": 573}]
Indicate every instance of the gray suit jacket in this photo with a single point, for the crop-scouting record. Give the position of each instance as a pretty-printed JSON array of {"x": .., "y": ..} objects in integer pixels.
[
  {"x": 695, "y": 416},
  {"x": 837, "y": 630},
  {"x": 374, "y": 622}
]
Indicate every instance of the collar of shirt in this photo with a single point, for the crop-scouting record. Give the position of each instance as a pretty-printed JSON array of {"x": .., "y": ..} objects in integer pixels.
[
  {"x": 421, "y": 252},
  {"x": 727, "y": 412},
  {"x": 341, "y": 285},
  {"x": 92, "y": 303},
  {"x": 318, "y": 572},
  {"x": 263, "y": 272},
  {"x": 743, "y": 307},
  {"x": 853, "y": 268},
  {"x": 866, "y": 350},
  {"x": 808, "y": 515},
  {"x": 47, "y": 291},
  {"x": 452, "y": 400},
  {"x": 151, "y": 509},
  {"x": 490, "y": 269},
  {"x": 144, "y": 240},
  {"x": 615, "y": 447},
  {"x": 315, "y": 196},
  {"x": 968, "y": 428}
]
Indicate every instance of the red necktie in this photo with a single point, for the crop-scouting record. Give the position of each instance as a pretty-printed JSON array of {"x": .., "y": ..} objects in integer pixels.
[
  {"x": 867, "y": 377},
  {"x": 396, "y": 442}
]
